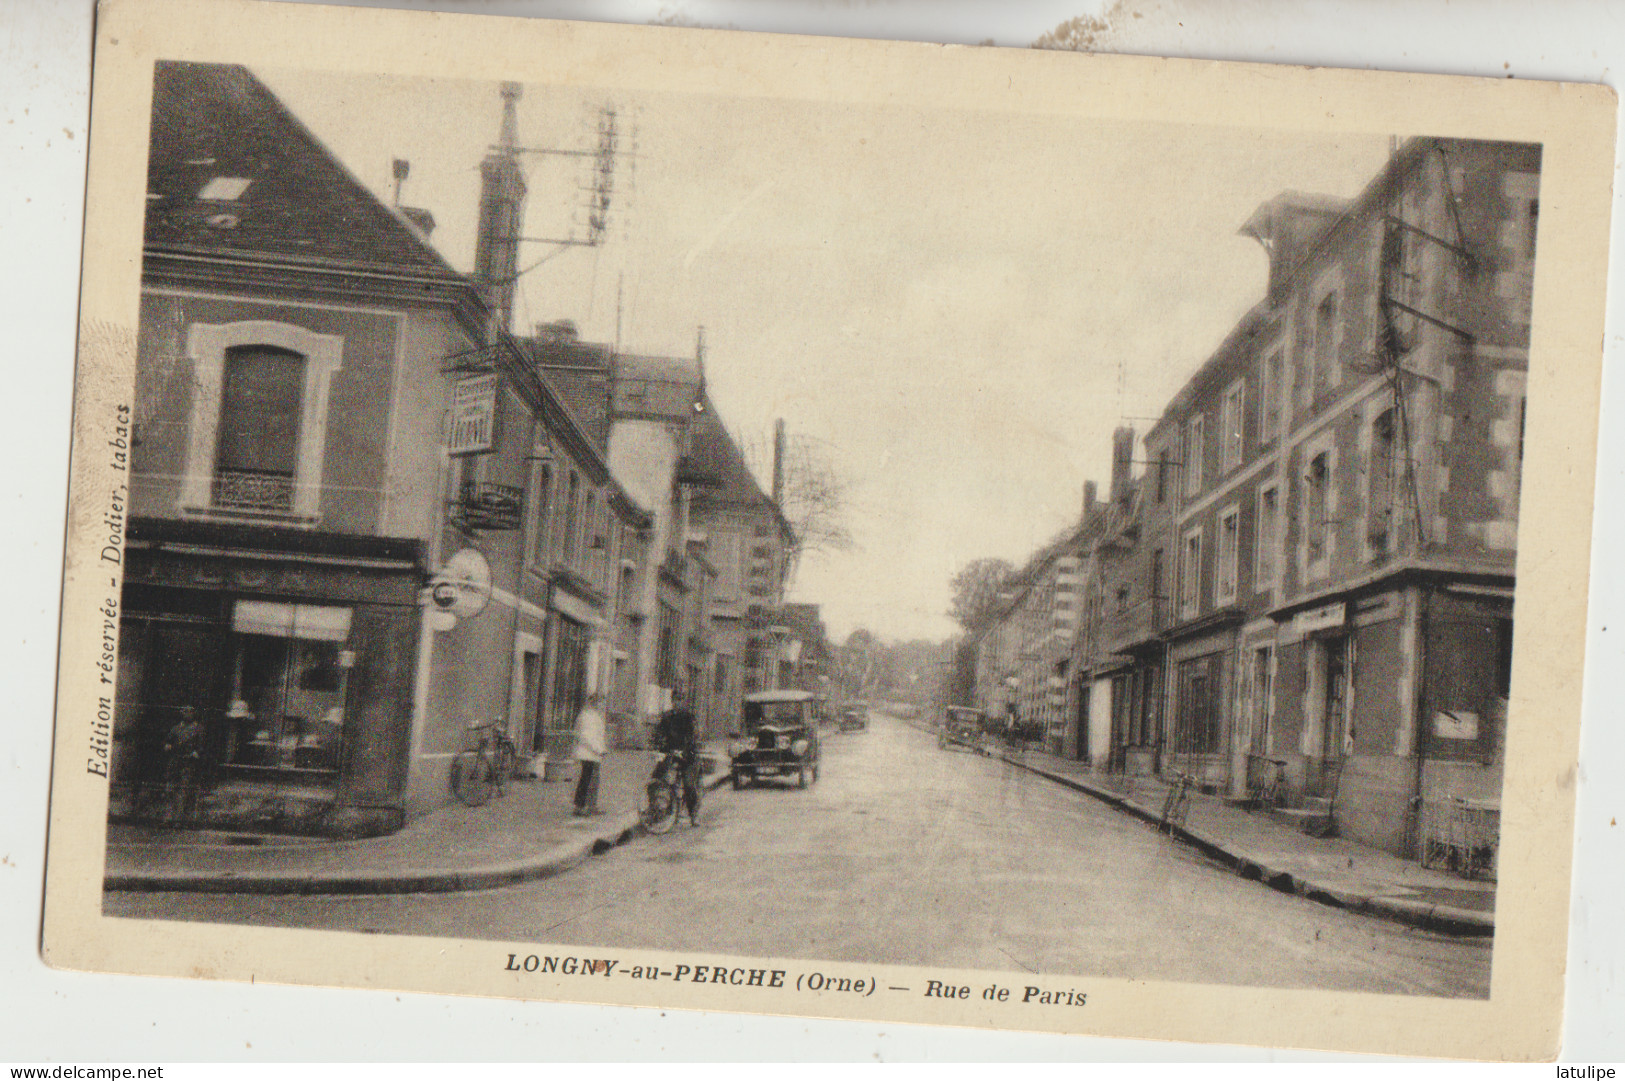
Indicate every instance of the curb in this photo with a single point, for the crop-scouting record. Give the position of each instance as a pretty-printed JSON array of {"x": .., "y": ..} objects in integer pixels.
[
  {"x": 553, "y": 861},
  {"x": 1427, "y": 915}
]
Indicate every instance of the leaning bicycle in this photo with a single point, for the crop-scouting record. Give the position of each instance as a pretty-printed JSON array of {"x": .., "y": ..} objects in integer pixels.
[
  {"x": 1266, "y": 782},
  {"x": 486, "y": 768},
  {"x": 1176, "y": 804},
  {"x": 662, "y": 801}
]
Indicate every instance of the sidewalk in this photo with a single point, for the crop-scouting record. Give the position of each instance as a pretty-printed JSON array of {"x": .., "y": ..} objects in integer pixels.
[
  {"x": 531, "y": 832},
  {"x": 1331, "y": 870}
]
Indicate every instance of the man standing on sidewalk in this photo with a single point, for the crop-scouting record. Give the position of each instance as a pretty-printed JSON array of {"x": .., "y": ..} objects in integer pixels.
[{"x": 589, "y": 753}]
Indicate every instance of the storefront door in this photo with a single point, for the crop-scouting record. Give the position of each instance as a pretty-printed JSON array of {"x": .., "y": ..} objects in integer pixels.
[{"x": 568, "y": 688}]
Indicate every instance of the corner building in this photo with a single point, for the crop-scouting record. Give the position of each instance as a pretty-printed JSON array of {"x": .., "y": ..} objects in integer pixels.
[{"x": 1340, "y": 499}]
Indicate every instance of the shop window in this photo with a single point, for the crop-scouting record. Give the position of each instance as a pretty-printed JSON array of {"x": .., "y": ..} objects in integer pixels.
[
  {"x": 666, "y": 657},
  {"x": 1148, "y": 717},
  {"x": 1263, "y": 699},
  {"x": 289, "y": 669},
  {"x": 258, "y": 420},
  {"x": 569, "y": 691},
  {"x": 1198, "y": 719}
]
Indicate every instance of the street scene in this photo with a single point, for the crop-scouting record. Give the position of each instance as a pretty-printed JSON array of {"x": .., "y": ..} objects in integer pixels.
[
  {"x": 833, "y": 533},
  {"x": 976, "y": 864}
]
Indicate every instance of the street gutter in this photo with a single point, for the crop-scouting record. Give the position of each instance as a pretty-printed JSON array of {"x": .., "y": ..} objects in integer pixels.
[
  {"x": 546, "y": 864},
  {"x": 1449, "y": 919}
]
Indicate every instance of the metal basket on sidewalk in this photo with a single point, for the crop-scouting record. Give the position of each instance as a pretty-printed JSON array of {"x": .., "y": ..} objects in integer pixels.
[{"x": 1463, "y": 835}]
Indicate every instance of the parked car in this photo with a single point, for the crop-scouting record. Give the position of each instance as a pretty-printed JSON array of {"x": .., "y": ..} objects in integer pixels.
[
  {"x": 963, "y": 726},
  {"x": 778, "y": 737},
  {"x": 854, "y": 719}
]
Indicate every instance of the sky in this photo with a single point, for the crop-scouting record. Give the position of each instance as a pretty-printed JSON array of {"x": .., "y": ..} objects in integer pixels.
[{"x": 957, "y": 308}]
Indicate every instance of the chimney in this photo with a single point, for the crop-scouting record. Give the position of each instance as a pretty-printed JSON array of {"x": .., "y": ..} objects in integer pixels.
[
  {"x": 1122, "y": 463},
  {"x": 400, "y": 168},
  {"x": 502, "y": 200},
  {"x": 1088, "y": 498}
]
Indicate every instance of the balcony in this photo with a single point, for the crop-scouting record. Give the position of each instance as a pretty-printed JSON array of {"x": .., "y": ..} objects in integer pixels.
[
  {"x": 237, "y": 489},
  {"x": 481, "y": 505}
]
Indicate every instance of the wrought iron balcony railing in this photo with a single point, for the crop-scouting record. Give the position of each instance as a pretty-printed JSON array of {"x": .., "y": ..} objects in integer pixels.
[
  {"x": 483, "y": 505},
  {"x": 241, "y": 489}
]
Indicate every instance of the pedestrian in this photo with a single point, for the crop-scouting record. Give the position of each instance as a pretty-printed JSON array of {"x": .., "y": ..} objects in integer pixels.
[
  {"x": 676, "y": 739},
  {"x": 589, "y": 754}
]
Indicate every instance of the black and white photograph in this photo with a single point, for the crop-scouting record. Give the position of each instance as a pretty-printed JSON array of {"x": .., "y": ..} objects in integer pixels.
[{"x": 890, "y": 542}]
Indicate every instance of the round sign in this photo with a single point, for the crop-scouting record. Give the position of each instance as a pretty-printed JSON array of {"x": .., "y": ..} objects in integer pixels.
[{"x": 463, "y": 585}]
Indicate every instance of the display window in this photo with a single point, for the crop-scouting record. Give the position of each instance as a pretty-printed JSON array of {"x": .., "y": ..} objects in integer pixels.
[{"x": 289, "y": 670}]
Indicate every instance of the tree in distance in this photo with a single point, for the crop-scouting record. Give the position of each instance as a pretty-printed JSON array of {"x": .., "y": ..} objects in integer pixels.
[{"x": 976, "y": 590}]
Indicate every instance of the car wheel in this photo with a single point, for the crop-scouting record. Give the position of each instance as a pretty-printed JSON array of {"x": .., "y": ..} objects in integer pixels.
[
  {"x": 815, "y": 773},
  {"x": 739, "y": 780},
  {"x": 801, "y": 781}
]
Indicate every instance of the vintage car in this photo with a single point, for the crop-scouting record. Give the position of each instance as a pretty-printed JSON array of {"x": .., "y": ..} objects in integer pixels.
[
  {"x": 854, "y": 719},
  {"x": 778, "y": 738},
  {"x": 963, "y": 726}
]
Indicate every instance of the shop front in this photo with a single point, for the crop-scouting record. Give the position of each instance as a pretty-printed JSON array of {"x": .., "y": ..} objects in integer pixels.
[
  {"x": 264, "y": 680},
  {"x": 574, "y": 622},
  {"x": 1201, "y": 671}
]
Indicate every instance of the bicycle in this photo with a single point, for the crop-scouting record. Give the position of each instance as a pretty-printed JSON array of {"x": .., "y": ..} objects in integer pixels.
[
  {"x": 662, "y": 802},
  {"x": 1176, "y": 804},
  {"x": 476, "y": 773},
  {"x": 1266, "y": 783}
]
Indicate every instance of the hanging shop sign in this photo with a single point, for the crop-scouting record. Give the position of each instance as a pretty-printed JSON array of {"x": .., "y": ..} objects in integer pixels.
[
  {"x": 473, "y": 415},
  {"x": 463, "y": 586}
]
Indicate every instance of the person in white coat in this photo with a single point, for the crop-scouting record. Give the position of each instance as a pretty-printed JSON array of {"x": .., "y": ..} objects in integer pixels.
[{"x": 589, "y": 753}]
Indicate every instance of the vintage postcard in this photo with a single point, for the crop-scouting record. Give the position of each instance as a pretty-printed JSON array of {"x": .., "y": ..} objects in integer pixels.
[{"x": 956, "y": 535}]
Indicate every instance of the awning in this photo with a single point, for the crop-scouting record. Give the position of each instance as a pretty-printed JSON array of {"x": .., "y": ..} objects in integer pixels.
[{"x": 313, "y": 622}]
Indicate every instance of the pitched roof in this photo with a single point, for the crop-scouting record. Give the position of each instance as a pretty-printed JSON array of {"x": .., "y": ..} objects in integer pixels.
[
  {"x": 712, "y": 451},
  {"x": 231, "y": 171},
  {"x": 578, "y": 372}
]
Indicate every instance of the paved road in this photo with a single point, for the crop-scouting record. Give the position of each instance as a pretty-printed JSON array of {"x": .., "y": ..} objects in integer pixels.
[{"x": 903, "y": 853}]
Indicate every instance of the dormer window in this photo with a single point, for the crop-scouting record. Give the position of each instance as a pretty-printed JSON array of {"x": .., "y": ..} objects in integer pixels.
[{"x": 224, "y": 189}]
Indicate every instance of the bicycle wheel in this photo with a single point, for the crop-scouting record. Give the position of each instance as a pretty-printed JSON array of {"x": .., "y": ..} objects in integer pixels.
[
  {"x": 507, "y": 760},
  {"x": 471, "y": 779},
  {"x": 659, "y": 807}
]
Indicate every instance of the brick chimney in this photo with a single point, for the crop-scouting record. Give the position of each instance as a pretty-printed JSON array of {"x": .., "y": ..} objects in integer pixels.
[
  {"x": 502, "y": 202},
  {"x": 1122, "y": 464},
  {"x": 1089, "y": 493}
]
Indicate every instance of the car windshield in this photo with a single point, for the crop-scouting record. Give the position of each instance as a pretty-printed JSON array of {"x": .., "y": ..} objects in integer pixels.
[{"x": 774, "y": 713}]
